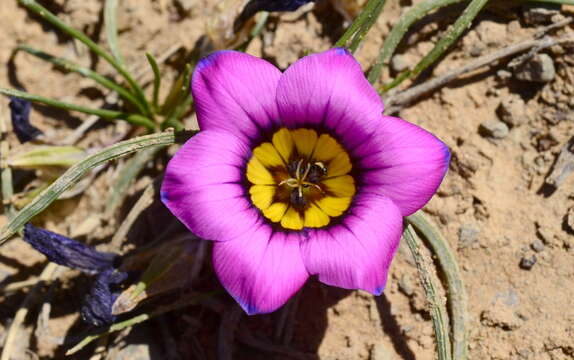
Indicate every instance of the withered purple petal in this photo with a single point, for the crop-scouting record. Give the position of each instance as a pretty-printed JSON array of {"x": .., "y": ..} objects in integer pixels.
[
  {"x": 20, "y": 114},
  {"x": 97, "y": 307},
  {"x": 67, "y": 252}
]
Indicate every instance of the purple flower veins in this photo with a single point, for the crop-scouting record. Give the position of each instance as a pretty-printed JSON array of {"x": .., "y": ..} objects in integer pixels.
[{"x": 297, "y": 174}]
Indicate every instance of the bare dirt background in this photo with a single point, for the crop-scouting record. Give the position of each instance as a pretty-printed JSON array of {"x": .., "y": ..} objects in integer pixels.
[{"x": 492, "y": 206}]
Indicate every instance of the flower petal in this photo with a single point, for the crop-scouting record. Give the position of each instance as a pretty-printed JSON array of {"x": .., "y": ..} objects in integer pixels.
[
  {"x": 329, "y": 90},
  {"x": 234, "y": 91},
  {"x": 356, "y": 253},
  {"x": 203, "y": 186},
  {"x": 403, "y": 162},
  {"x": 262, "y": 269}
]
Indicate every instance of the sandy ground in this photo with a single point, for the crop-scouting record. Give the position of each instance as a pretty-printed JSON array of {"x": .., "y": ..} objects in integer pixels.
[{"x": 493, "y": 207}]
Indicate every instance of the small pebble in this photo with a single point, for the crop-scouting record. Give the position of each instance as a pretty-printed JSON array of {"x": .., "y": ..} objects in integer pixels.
[
  {"x": 527, "y": 263},
  {"x": 512, "y": 110},
  {"x": 540, "y": 68},
  {"x": 539, "y": 15},
  {"x": 406, "y": 285},
  {"x": 467, "y": 236},
  {"x": 494, "y": 129},
  {"x": 537, "y": 245},
  {"x": 399, "y": 63}
]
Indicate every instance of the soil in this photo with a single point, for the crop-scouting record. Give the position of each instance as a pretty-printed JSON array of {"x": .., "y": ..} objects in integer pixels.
[{"x": 512, "y": 234}]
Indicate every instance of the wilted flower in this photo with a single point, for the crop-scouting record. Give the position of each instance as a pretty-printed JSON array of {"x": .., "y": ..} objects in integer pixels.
[
  {"x": 68, "y": 252},
  {"x": 20, "y": 115},
  {"x": 298, "y": 174},
  {"x": 97, "y": 305}
]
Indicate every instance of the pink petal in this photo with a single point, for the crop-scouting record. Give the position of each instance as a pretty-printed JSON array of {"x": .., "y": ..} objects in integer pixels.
[
  {"x": 357, "y": 253},
  {"x": 234, "y": 91},
  {"x": 262, "y": 269},
  {"x": 203, "y": 186},
  {"x": 329, "y": 90},
  {"x": 403, "y": 162}
]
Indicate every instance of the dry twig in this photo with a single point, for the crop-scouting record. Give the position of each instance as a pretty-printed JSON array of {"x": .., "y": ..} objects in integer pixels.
[{"x": 396, "y": 102}]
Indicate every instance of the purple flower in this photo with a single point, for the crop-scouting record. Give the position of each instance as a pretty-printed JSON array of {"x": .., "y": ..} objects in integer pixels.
[
  {"x": 20, "y": 115},
  {"x": 297, "y": 174}
]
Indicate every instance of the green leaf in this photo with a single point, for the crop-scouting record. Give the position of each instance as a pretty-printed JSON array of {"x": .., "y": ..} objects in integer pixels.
[
  {"x": 70, "y": 66},
  {"x": 47, "y": 156},
  {"x": 75, "y": 173},
  {"x": 111, "y": 26},
  {"x": 135, "y": 119}
]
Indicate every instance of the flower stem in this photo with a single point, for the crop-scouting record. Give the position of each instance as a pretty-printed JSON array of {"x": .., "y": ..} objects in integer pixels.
[
  {"x": 437, "y": 308},
  {"x": 70, "y": 66},
  {"x": 32, "y": 5},
  {"x": 156, "y": 79},
  {"x": 456, "y": 298},
  {"x": 362, "y": 24},
  {"x": 135, "y": 119},
  {"x": 415, "y": 13},
  {"x": 461, "y": 24},
  {"x": 75, "y": 173}
]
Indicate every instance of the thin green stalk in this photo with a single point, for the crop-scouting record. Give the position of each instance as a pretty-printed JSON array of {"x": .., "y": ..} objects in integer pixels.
[
  {"x": 179, "y": 90},
  {"x": 173, "y": 120},
  {"x": 461, "y": 24},
  {"x": 70, "y": 66},
  {"x": 128, "y": 173},
  {"x": 259, "y": 26},
  {"x": 369, "y": 22},
  {"x": 111, "y": 26},
  {"x": 75, "y": 173},
  {"x": 5, "y": 170},
  {"x": 32, "y": 5},
  {"x": 415, "y": 13},
  {"x": 156, "y": 79},
  {"x": 135, "y": 119},
  {"x": 437, "y": 309},
  {"x": 456, "y": 293},
  {"x": 361, "y": 25}
]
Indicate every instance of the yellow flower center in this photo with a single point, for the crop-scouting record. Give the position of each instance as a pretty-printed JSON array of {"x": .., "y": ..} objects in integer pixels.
[{"x": 300, "y": 179}]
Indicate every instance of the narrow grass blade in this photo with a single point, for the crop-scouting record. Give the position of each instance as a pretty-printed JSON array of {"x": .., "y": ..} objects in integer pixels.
[
  {"x": 456, "y": 293},
  {"x": 359, "y": 28},
  {"x": 74, "y": 174},
  {"x": 40, "y": 156},
  {"x": 156, "y": 79},
  {"x": 111, "y": 26},
  {"x": 135, "y": 119},
  {"x": 127, "y": 175},
  {"x": 415, "y": 13},
  {"x": 461, "y": 24},
  {"x": 70, "y": 66},
  {"x": 33, "y": 6},
  {"x": 437, "y": 308}
]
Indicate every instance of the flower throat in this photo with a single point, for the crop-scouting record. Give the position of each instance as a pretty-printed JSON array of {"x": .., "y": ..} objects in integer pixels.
[{"x": 300, "y": 179}]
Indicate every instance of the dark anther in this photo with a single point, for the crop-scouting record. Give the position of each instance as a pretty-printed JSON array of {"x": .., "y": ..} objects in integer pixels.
[
  {"x": 297, "y": 200},
  {"x": 317, "y": 171}
]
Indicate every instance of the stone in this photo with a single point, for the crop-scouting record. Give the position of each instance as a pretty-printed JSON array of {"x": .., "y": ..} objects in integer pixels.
[
  {"x": 494, "y": 128},
  {"x": 467, "y": 236},
  {"x": 399, "y": 63},
  {"x": 569, "y": 220},
  {"x": 527, "y": 263},
  {"x": 540, "y": 68},
  {"x": 539, "y": 15},
  {"x": 406, "y": 285},
  {"x": 512, "y": 111},
  {"x": 537, "y": 245}
]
